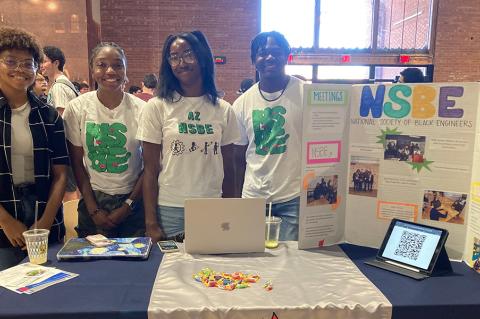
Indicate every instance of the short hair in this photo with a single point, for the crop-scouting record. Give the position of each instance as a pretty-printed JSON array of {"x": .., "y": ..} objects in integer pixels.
[
  {"x": 150, "y": 81},
  {"x": 412, "y": 75},
  {"x": 260, "y": 41},
  {"x": 55, "y": 54},
  {"x": 134, "y": 89},
  {"x": 19, "y": 39},
  {"x": 83, "y": 85},
  {"x": 102, "y": 45},
  {"x": 168, "y": 83}
]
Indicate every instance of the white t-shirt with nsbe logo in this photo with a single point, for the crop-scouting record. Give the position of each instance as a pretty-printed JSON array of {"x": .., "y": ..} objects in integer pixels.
[
  {"x": 111, "y": 152},
  {"x": 191, "y": 132},
  {"x": 272, "y": 132}
]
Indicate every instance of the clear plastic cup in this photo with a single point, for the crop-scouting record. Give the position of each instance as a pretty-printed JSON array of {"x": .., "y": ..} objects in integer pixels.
[
  {"x": 272, "y": 231},
  {"x": 37, "y": 245}
]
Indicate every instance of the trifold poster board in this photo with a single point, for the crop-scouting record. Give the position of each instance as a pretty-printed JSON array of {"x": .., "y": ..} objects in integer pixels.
[{"x": 376, "y": 152}]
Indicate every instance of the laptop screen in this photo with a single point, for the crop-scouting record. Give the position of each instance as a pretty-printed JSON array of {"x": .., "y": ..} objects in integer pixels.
[{"x": 412, "y": 244}]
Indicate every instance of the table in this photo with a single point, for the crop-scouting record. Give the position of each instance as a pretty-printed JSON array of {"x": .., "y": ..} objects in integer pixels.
[
  {"x": 103, "y": 289},
  {"x": 121, "y": 289},
  {"x": 452, "y": 296}
]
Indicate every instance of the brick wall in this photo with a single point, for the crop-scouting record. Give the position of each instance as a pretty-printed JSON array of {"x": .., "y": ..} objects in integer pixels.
[
  {"x": 63, "y": 25},
  {"x": 457, "y": 48},
  {"x": 141, "y": 27}
]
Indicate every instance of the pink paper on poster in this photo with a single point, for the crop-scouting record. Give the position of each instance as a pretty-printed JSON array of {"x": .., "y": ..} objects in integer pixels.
[{"x": 323, "y": 152}]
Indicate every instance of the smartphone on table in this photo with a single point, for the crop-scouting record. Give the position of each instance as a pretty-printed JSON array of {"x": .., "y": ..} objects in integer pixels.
[{"x": 167, "y": 246}]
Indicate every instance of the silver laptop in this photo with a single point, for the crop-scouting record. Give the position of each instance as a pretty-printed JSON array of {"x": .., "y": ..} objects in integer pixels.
[{"x": 224, "y": 225}]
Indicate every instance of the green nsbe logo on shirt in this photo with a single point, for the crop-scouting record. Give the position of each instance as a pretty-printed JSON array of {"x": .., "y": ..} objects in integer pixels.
[
  {"x": 106, "y": 147},
  {"x": 194, "y": 128},
  {"x": 270, "y": 137}
]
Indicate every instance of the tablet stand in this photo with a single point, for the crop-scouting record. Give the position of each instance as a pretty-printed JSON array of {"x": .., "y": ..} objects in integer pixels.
[{"x": 442, "y": 265}]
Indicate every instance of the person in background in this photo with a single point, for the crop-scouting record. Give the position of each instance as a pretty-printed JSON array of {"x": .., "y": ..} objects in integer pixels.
[
  {"x": 245, "y": 85},
  {"x": 101, "y": 126},
  {"x": 268, "y": 156},
  {"x": 187, "y": 134},
  {"x": 40, "y": 87},
  {"x": 411, "y": 75},
  {"x": 84, "y": 87},
  {"x": 33, "y": 153},
  {"x": 62, "y": 90},
  {"x": 134, "y": 89},
  {"x": 148, "y": 87}
]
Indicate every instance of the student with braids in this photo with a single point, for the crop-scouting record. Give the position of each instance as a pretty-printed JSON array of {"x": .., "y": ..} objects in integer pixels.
[{"x": 101, "y": 126}]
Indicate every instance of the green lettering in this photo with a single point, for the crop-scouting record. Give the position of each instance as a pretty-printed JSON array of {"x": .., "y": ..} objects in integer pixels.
[
  {"x": 192, "y": 129},
  {"x": 209, "y": 128},
  {"x": 182, "y": 128},
  {"x": 404, "y": 105},
  {"x": 200, "y": 129}
]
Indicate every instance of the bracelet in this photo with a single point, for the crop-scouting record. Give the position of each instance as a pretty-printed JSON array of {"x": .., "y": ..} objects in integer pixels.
[{"x": 95, "y": 212}]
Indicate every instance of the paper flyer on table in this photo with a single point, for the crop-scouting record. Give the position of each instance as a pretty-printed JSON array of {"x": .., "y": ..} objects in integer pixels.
[
  {"x": 408, "y": 151},
  {"x": 28, "y": 278}
]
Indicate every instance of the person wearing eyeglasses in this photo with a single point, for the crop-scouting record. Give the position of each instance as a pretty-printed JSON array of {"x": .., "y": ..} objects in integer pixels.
[
  {"x": 40, "y": 87},
  {"x": 106, "y": 158},
  {"x": 33, "y": 153},
  {"x": 268, "y": 157},
  {"x": 187, "y": 133}
]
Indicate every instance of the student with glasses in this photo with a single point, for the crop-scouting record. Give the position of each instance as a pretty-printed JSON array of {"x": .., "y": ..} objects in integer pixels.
[
  {"x": 33, "y": 153},
  {"x": 40, "y": 87},
  {"x": 187, "y": 134},
  {"x": 268, "y": 156},
  {"x": 106, "y": 158}
]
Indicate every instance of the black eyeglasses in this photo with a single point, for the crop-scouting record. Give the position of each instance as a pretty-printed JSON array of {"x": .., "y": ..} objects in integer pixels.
[
  {"x": 13, "y": 64},
  {"x": 187, "y": 57}
]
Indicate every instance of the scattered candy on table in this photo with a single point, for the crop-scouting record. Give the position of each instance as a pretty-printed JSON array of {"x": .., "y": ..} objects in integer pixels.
[
  {"x": 225, "y": 281},
  {"x": 268, "y": 285}
]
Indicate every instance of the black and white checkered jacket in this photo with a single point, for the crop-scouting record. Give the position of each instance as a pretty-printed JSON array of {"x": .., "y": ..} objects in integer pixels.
[{"x": 49, "y": 148}]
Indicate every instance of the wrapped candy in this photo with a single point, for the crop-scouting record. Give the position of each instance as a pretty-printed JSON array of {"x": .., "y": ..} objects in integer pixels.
[
  {"x": 225, "y": 281},
  {"x": 268, "y": 285}
]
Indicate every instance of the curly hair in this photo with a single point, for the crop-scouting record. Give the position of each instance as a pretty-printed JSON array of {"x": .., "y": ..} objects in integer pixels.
[{"x": 19, "y": 39}]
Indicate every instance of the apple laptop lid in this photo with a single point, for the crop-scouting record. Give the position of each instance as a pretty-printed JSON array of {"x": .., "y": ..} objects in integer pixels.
[{"x": 224, "y": 225}]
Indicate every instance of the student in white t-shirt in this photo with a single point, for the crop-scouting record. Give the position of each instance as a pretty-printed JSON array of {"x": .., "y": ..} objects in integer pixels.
[
  {"x": 61, "y": 92},
  {"x": 268, "y": 155},
  {"x": 187, "y": 134},
  {"x": 106, "y": 157}
]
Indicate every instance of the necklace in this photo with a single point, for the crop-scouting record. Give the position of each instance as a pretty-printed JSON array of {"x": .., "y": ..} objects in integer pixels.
[{"x": 272, "y": 100}]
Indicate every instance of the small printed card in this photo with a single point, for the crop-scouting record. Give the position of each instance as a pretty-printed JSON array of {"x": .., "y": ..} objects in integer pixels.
[{"x": 29, "y": 278}]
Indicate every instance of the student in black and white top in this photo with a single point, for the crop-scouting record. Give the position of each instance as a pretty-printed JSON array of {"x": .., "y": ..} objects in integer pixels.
[{"x": 33, "y": 152}]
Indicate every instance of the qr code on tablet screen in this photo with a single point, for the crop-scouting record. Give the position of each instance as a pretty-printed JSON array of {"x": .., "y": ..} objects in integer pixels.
[{"x": 410, "y": 245}]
